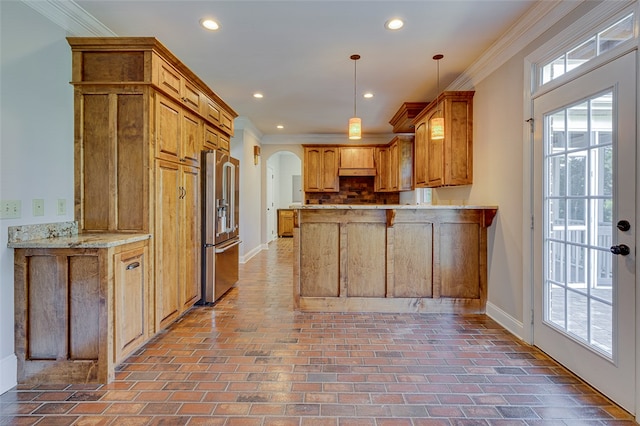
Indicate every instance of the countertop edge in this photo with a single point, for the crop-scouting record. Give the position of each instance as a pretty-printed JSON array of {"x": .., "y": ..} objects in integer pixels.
[
  {"x": 391, "y": 207},
  {"x": 83, "y": 240}
]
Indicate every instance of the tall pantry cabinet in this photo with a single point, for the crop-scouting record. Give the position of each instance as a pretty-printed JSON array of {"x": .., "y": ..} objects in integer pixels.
[{"x": 140, "y": 120}]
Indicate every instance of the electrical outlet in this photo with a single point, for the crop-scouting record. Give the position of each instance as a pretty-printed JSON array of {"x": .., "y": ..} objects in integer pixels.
[
  {"x": 10, "y": 209},
  {"x": 38, "y": 207},
  {"x": 62, "y": 206}
]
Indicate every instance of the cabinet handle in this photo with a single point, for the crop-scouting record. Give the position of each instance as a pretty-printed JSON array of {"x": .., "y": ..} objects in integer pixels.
[{"x": 133, "y": 265}]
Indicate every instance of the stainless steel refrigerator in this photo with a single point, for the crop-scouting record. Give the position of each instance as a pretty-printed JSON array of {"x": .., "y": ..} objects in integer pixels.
[{"x": 220, "y": 218}]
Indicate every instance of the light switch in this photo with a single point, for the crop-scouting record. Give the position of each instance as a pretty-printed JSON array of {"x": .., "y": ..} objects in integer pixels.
[{"x": 10, "y": 209}]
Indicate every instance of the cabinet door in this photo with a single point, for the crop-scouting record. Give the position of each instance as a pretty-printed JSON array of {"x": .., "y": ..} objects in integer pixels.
[
  {"x": 211, "y": 137},
  {"x": 420, "y": 160},
  {"x": 190, "y": 96},
  {"x": 168, "y": 132},
  {"x": 313, "y": 169},
  {"x": 130, "y": 301},
  {"x": 381, "y": 181},
  {"x": 393, "y": 167},
  {"x": 435, "y": 158},
  {"x": 167, "y": 242},
  {"x": 190, "y": 237},
  {"x": 357, "y": 158},
  {"x": 330, "y": 181},
  {"x": 191, "y": 143}
]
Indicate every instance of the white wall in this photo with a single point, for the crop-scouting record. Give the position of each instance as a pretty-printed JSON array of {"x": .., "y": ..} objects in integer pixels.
[
  {"x": 242, "y": 144},
  {"x": 36, "y": 140},
  {"x": 288, "y": 166}
]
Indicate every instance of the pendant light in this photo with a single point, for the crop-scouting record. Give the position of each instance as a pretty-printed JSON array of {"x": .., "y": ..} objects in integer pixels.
[
  {"x": 355, "y": 124},
  {"x": 436, "y": 124}
]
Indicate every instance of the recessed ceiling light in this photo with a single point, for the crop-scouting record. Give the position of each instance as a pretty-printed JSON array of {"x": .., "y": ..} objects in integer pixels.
[
  {"x": 210, "y": 24},
  {"x": 258, "y": 95},
  {"x": 279, "y": 126},
  {"x": 394, "y": 24},
  {"x": 368, "y": 95}
]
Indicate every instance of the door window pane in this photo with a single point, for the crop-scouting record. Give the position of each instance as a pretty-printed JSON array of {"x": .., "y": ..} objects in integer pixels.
[{"x": 578, "y": 221}]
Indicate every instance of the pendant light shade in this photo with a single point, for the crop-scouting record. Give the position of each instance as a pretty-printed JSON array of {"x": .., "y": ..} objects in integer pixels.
[
  {"x": 355, "y": 124},
  {"x": 436, "y": 124},
  {"x": 355, "y": 128}
]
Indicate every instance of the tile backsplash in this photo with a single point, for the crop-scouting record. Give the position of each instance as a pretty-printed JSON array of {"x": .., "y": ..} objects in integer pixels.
[{"x": 353, "y": 190}]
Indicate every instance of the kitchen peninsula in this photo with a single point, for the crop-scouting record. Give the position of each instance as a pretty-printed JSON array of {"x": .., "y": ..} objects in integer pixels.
[{"x": 391, "y": 258}]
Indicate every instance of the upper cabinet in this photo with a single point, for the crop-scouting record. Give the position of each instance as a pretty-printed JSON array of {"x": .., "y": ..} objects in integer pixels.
[
  {"x": 357, "y": 161},
  {"x": 321, "y": 169},
  {"x": 445, "y": 161},
  {"x": 394, "y": 163}
]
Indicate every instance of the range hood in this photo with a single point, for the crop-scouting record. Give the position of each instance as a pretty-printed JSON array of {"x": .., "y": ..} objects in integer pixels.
[{"x": 344, "y": 171}]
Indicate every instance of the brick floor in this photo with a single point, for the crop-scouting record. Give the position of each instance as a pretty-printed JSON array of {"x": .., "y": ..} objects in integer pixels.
[{"x": 251, "y": 360}]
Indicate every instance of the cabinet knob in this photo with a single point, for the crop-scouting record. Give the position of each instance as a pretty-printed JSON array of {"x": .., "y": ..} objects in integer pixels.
[{"x": 133, "y": 265}]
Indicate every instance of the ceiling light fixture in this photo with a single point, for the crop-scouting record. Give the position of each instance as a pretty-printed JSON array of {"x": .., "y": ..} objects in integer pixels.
[
  {"x": 368, "y": 95},
  {"x": 279, "y": 126},
  {"x": 210, "y": 24},
  {"x": 394, "y": 24},
  {"x": 436, "y": 124},
  {"x": 258, "y": 95},
  {"x": 355, "y": 124}
]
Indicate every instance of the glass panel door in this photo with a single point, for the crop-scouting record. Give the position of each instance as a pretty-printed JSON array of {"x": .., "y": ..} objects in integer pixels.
[{"x": 584, "y": 233}]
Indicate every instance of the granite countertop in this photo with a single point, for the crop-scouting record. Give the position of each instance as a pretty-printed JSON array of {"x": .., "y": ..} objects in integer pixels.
[
  {"x": 89, "y": 240},
  {"x": 387, "y": 207},
  {"x": 65, "y": 235}
]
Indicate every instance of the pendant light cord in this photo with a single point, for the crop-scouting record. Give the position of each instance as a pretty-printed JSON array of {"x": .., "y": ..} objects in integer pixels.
[{"x": 355, "y": 72}]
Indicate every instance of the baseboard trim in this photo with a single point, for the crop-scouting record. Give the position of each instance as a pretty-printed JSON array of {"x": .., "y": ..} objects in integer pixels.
[
  {"x": 514, "y": 326},
  {"x": 247, "y": 257},
  {"x": 9, "y": 376}
]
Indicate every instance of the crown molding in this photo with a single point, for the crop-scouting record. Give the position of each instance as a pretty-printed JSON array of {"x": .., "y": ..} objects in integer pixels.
[
  {"x": 68, "y": 15},
  {"x": 243, "y": 125},
  {"x": 326, "y": 138},
  {"x": 533, "y": 23}
]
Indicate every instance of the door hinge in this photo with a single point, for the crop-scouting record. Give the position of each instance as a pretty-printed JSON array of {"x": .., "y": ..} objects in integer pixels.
[
  {"x": 532, "y": 222},
  {"x": 531, "y": 316},
  {"x": 530, "y": 121}
]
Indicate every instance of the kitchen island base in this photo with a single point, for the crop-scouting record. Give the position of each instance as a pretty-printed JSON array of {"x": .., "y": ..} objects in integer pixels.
[{"x": 391, "y": 258}]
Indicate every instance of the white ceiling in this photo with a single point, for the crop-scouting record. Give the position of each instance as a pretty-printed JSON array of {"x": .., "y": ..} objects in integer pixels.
[{"x": 297, "y": 52}]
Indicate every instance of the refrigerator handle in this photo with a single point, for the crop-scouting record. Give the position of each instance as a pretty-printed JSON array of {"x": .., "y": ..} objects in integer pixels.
[{"x": 227, "y": 247}]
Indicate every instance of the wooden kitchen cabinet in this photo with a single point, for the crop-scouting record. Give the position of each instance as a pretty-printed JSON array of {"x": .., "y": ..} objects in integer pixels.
[
  {"x": 142, "y": 119},
  {"x": 285, "y": 223},
  {"x": 80, "y": 307},
  {"x": 321, "y": 169},
  {"x": 448, "y": 161},
  {"x": 177, "y": 254},
  {"x": 179, "y": 133},
  {"x": 131, "y": 301},
  {"x": 394, "y": 165},
  {"x": 387, "y": 259}
]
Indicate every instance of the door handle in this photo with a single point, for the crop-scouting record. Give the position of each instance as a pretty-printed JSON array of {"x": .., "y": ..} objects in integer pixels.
[{"x": 620, "y": 249}]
